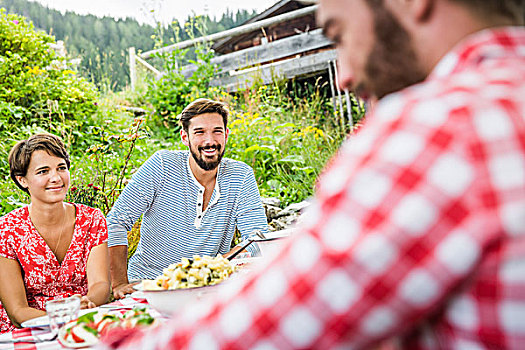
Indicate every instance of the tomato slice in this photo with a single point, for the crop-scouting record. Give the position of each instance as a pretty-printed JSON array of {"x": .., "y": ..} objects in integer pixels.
[{"x": 76, "y": 338}]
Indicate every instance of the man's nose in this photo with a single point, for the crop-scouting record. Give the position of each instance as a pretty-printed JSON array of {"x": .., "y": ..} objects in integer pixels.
[
  {"x": 208, "y": 138},
  {"x": 345, "y": 76}
]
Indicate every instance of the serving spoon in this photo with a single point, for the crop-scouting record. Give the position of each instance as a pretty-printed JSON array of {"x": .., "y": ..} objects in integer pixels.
[{"x": 262, "y": 238}]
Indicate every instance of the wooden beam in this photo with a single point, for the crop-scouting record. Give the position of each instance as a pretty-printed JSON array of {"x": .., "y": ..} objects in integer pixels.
[
  {"x": 148, "y": 66},
  {"x": 283, "y": 69},
  {"x": 274, "y": 50},
  {"x": 132, "y": 68},
  {"x": 250, "y": 27}
]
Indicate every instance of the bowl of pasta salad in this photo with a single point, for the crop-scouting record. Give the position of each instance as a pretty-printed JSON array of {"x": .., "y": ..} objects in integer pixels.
[{"x": 186, "y": 282}]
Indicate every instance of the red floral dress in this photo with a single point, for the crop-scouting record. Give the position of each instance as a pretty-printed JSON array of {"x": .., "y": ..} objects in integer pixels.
[{"x": 44, "y": 277}]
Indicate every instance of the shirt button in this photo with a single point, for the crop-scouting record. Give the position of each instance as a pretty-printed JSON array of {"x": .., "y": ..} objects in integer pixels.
[
  {"x": 199, "y": 204},
  {"x": 199, "y": 217}
]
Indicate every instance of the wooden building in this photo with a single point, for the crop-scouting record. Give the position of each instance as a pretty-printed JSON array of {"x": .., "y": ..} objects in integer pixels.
[
  {"x": 284, "y": 49},
  {"x": 282, "y": 42},
  {"x": 302, "y": 24}
]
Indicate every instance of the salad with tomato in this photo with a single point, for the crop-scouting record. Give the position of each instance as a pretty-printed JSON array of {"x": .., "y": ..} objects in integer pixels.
[{"x": 87, "y": 329}]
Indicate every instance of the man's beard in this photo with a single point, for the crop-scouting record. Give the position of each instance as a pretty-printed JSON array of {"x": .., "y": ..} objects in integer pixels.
[
  {"x": 202, "y": 162},
  {"x": 392, "y": 64}
]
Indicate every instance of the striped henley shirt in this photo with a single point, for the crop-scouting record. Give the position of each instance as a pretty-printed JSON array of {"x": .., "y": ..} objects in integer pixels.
[{"x": 167, "y": 194}]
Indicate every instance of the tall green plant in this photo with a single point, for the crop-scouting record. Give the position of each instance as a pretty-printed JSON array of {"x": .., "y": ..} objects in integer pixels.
[
  {"x": 100, "y": 183},
  {"x": 286, "y": 150},
  {"x": 173, "y": 91}
]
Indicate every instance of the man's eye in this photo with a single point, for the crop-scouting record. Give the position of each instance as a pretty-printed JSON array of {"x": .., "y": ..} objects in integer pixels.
[
  {"x": 41, "y": 172},
  {"x": 62, "y": 168}
]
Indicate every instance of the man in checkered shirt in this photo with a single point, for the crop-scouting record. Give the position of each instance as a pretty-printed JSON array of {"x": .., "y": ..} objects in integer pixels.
[{"x": 417, "y": 234}]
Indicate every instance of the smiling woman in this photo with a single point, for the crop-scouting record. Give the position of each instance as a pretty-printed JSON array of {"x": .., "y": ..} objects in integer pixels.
[{"x": 49, "y": 249}]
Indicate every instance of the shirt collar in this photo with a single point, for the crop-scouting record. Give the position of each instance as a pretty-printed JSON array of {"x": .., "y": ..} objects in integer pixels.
[
  {"x": 480, "y": 47},
  {"x": 216, "y": 190}
]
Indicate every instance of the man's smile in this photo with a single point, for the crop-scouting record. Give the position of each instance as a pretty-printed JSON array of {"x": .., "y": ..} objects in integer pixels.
[{"x": 209, "y": 151}]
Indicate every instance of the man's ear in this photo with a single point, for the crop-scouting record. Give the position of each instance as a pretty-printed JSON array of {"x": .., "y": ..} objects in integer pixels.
[
  {"x": 410, "y": 12},
  {"x": 226, "y": 133},
  {"x": 184, "y": 137}
]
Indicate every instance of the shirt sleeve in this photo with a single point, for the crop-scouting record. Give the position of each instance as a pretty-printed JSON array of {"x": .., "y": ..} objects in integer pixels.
[
  {"x": 250, "y": 214},
  {"x": 6, "y": 248},
  {"x": 137, "y": 197},
  {"x": 380, "y": 248}
]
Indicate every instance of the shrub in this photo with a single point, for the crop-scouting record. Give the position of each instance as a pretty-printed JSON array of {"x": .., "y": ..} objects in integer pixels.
[
  {"x": 283, "y": 139},
  {"x": 38, "y": 93},
  {"x": 35, "y": 85}
]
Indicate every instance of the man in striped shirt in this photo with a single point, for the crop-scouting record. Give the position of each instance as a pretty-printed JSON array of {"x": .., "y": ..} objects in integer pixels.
[{"x": 191, "y": 202}]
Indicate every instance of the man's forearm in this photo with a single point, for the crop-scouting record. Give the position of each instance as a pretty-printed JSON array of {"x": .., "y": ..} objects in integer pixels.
[{"x": 118, "y": 257}]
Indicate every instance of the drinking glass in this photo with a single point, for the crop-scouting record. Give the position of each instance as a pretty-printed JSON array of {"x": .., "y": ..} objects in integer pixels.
[{"x": 61, "y": 311}]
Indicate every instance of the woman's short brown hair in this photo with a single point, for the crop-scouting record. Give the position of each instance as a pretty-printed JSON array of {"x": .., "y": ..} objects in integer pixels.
[
  {"x": 20, "y": 154},
  {"x": 202, "y": 106}
]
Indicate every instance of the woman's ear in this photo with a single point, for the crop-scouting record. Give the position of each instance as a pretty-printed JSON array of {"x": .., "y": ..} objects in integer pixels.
[{"x": 21, "y": 180}]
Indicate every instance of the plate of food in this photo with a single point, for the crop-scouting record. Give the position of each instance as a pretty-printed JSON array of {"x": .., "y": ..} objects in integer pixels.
[
  {"x": 87, "y": 329},
  {"x": 185, "y": 282},
  {"x": 43, "y": 321}
]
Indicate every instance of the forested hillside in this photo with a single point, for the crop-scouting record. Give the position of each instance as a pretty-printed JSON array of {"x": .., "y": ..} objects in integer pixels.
[{"x": 102, "y": 43}]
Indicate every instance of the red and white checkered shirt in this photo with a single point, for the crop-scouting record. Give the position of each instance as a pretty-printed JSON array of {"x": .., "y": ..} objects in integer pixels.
[{"x": 417, "y": 231}]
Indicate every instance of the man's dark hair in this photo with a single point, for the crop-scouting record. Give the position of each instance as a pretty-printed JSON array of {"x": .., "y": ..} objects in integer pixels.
[
  {"x": 20, "y": 154},
  {"x": 511, "y": 9},
  {"x": 202, "y": 106}
]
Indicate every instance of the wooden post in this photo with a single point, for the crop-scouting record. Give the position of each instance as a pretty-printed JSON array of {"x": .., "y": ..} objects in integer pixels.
[
  {"x": 132, "y": 68},
  {"x": 331, "y": 76},
  {"x": 340, "y": 100},
  {"x": 349, "y": 108}
]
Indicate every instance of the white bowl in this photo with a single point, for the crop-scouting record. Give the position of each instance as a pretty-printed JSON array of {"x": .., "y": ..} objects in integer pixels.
[
  {"x": 169, "y": 301},
  {"x": 274, "y": 241}
]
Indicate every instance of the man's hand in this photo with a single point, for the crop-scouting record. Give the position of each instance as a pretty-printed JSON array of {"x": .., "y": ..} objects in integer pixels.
[{"x": 120, "y": 291}]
